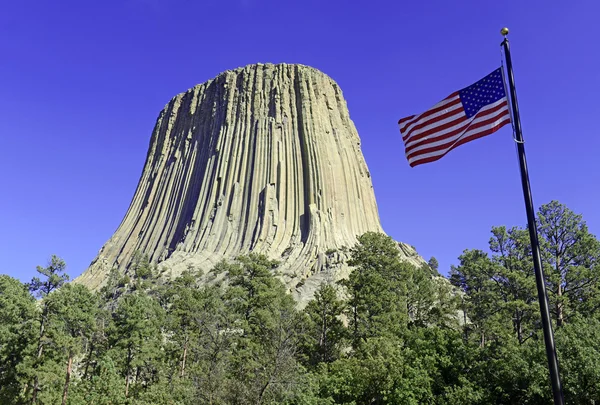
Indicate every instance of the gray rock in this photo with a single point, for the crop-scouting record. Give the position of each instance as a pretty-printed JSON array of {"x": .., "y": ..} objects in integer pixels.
[{"x": 263, "y": 158}]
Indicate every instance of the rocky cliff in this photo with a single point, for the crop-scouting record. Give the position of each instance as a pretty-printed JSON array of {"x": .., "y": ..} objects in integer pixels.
[{"x": 263, "y": 158}]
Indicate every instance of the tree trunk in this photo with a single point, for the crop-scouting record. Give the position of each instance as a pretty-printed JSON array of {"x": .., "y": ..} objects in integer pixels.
[
  {"x": 39, "y": 354},
  {"x": 127, "y": 373},
  {"x": 262, "y": 392},
  {"x": 35, "y": 389},
  {"x": 518, "y": 326},
  {"x": 67, "y": 379},
  {"x": 323, "y": 337},
  {"x": 185, "y": 348},
  {"x": 559, "y": 293},
  {"x": 87, "y": 363},
  {"x": 465, "y": 327},
  {"x": 127, "y": 385},
  {"x": 355, "y": 314},
  {"x": 559, "y": 307}
]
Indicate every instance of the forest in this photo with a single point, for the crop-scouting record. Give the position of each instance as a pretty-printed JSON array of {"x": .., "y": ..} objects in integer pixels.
[{"x": 391, "y": 333}]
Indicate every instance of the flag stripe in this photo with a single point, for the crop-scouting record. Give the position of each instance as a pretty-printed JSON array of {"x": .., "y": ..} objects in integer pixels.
[
  {"x": 401, "y": 120},
  {"x": 443, "y": 143},
  {"x": 478, "y": 122},
  {"x": 487, "y": 131},
  {"x": 449, "y": 101},
  {"x": 452, "y": 128},
  {"x": 446, "y": 115},
  {"x": 456, "y": 123},
  {"x": 469, "y": 135},
  {"x": 470, "y": 113},
  {"x": 440, "y": 107}
]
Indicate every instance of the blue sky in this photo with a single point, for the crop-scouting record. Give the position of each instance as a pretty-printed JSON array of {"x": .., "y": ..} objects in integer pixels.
[{"x": 81, "y": 85}]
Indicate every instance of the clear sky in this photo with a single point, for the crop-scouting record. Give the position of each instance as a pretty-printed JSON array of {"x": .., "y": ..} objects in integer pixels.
[{"x": 82, "y": 82}]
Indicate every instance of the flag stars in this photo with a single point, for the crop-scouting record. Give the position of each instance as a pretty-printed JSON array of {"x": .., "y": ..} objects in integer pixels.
[
  {"x": 473, "y": 99},
  {"x": 488, "y": 90}
]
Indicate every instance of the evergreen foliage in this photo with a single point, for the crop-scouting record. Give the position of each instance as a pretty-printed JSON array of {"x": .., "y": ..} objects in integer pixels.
[{"x": 391, "y": 333}]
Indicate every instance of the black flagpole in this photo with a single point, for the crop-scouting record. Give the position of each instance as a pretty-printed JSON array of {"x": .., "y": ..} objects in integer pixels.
[{"x": 535, "y": 245}]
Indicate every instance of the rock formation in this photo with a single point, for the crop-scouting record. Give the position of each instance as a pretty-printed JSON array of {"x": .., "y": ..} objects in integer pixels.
[{"x": 263, "y": 158}]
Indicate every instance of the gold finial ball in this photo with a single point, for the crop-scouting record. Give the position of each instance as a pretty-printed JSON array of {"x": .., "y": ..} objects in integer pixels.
[{"x": 504, "y": 31}]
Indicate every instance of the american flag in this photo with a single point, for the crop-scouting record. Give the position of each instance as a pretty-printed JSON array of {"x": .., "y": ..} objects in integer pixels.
[{"x": 473, "y": 112}]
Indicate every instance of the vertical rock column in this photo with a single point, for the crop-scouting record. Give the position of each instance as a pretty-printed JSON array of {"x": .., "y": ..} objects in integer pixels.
[{"x": 263, "y": 158}]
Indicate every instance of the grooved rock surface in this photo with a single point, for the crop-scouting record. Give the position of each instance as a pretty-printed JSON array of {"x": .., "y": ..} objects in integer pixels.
[{"x": 263, "y": 158}]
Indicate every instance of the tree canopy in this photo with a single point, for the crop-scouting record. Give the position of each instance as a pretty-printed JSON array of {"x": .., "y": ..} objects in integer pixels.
[{"x": 390, "y": 333}]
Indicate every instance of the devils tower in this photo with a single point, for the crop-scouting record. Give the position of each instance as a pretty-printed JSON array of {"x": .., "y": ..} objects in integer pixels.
[{"x": 261, "y": 159}]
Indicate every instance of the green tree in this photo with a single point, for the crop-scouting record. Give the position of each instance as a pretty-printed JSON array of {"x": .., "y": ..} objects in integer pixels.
[
  {"x": 324, "y": 336},
  {"x": 482, "y": 302},
  {"x": 202, "y": 337},
  {"x": 17, "y": 335},
  {"x": 184, "y": 307},
  {"x": 434, "y": 265},
  {"x": 578, "y": 346},
  {"x": 500, "y": 301},
  {"x": 376, "y": 288},
  {"x": 104, "y": 387},
  {"x": 54, "y": 277},
  {"x": 515, "y": 279},
  {"x": 135, "y": 338},
  {"x": 264, "y": 363},
  {"x": 382, "y": 372},
  {"x": 430, "y": 300},
  {"x": 571, "y": 255},
  {"x": 513, "y": 373},
  {"x": 216, "y": 334},
  {"x": 406, "y": 342},
  {"x": 113, "y": 287},
  {"x": 71, "y": 323},
  {"x": 98, "y": 344},
  {"x": 448, "y": 361}
]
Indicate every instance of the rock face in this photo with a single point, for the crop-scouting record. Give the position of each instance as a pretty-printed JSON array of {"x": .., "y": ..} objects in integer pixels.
[{"x": 263, "y": 158}]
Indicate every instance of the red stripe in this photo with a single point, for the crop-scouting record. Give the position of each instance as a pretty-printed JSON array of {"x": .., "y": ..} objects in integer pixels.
[
  {"x": 428, "y": 113},
  {"x": 434, "y": 110},
  {"x": 441, "y": 136},
  {"x": 438, "y": 129},
  {"x": 442, "y": 117},
  {"x": 401, "y": 120},
  {"x": 466, "y": 130},
  {"x": 462, "y": 142},
  {"x": 456, "y": 131}
]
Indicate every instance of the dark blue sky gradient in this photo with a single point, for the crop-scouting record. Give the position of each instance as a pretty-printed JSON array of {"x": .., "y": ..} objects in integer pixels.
[{"x": 81, "y": 85}]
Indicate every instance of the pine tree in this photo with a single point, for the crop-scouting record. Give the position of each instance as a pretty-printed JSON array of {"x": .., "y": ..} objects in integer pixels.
[
  {"x": 483, "y": 303},
  {"x": 184, "y": 306},
  {"x": 578, "y": 346},
  {"x": 515, "y": 279},
  {"x": 325, "y": 332},
  {"x": 376, "y": 288},
  {"x": 54, "y": 277},
  {"x": 103, "y": 387},
  {"x": 17, "y": 335},
  {"x": 434, "y": 265},
  {"x": 264, "y": 363},
  {"x": 71, "y": 323},
  {"x": 430, "y": 300},
  {"x": 214, "y": 335},
  {"x": 572, "y": 258},
  {"x": 201, "y": 340},
  {"x": 135, "y": 337}
]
